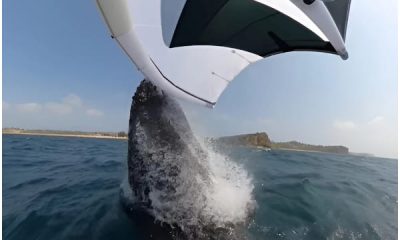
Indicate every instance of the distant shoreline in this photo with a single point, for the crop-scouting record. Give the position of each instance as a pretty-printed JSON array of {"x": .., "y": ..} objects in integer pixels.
[
  {"x": 65, "y": 135},
  {"x": 298, "y": 150},
  {"x": 261, "y": 139},
  {"x": 304, "y": 150}
]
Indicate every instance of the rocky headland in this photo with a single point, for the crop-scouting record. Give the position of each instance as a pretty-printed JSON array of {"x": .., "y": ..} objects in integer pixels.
[{"x": 261, "y": 140}]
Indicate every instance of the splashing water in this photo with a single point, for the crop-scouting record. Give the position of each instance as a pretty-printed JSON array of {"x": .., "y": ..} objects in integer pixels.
[
  {"x": 227, "y": 200},
  {"x": 178, "y": 181}
]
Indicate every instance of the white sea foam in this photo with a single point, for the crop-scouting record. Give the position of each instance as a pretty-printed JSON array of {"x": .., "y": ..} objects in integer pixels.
[
  {"x": 229, "y": 197},
  {"x": 225, "y": 200}
]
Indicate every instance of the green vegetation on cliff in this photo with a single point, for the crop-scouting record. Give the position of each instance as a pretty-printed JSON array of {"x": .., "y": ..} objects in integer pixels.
[
  {"x": 250, "y": 140},
  {"x": 262, "y": 140},
  {"x": 293, "y": 145}
]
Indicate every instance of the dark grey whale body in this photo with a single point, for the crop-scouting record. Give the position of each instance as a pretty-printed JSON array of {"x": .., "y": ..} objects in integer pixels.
[
  {"x": 161, "y": 145},
  {"x": 168, "y": 170}
]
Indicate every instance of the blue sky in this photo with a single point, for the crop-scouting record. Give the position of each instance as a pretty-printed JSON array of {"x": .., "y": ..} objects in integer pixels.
[{"x": 61, "y": 70}]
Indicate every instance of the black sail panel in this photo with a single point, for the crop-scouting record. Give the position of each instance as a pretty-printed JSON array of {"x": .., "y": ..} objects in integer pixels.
[{"x": 246, "y": 25}]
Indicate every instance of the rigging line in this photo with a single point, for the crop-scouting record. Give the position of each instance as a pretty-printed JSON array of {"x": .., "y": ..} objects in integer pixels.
[
  {"x": 240, "y": 55},
  {"x": 210, "y": 104},
  {"x": 216, "y": 74}
]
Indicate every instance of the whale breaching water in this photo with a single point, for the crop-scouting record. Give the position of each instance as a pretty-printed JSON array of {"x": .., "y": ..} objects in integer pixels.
[
  {"x": 193, "y": 49},
  {"x": 175, "y": 179}
]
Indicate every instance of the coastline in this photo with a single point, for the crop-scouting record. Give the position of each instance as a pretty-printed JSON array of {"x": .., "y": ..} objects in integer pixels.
[
  {"x": 295, "y": 150},
  {"x": 299, "y": 150},
  {"x": 66, "y": 135}
]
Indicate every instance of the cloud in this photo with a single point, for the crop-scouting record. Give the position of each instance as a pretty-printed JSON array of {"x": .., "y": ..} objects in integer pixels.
[
  {"x": 350, "y": 125},
  {"x": 376, "y": 120},
  {"x": 69, "y": 112},
  {"x": 344, "y": 125},
  {"x": 68, "y": 105},
  {"x": 71, "y": 104},
  {"x": 372, "y": 136},
  {"x": 28, "y": 107},
  {"x": 73, "y": 100},
  {"x": 58, "y": 108},
  {"x": 94, "y": 113}
]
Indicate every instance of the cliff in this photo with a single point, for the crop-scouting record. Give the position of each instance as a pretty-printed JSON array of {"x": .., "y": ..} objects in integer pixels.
[
  {"x": 249, "y": 140},
  {"x": 262, "y": 140},
  {"x": 293, "y": 145}
]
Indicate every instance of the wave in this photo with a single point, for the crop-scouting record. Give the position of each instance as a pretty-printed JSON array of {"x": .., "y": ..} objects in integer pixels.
[{"x": 36, "y": 181}]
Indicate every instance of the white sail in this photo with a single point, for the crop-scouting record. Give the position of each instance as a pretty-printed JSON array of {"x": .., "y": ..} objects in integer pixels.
[{"x": 192, "y": 49}]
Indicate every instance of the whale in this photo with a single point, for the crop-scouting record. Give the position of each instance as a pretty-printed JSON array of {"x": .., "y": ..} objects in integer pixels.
[{"x": 169, "y": 171}]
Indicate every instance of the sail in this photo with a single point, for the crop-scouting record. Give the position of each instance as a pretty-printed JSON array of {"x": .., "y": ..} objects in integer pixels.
[
  {"x": 193, "y": 49},
  {"x": 340, "y": 9}
]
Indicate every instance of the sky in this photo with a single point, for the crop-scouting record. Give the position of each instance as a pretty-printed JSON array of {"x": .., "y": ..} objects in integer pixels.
[{"x": 61, "y": 70}]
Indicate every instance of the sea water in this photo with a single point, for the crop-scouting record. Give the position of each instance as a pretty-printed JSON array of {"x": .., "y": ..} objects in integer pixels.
[{"x": 69, "y": 188}]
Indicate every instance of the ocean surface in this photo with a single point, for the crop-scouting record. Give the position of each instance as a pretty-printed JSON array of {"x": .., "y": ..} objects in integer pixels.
[{"x": 69, "y": 188}]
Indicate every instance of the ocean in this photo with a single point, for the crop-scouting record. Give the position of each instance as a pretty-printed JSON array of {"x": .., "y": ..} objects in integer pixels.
[{"x": 69, "y": 188}]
